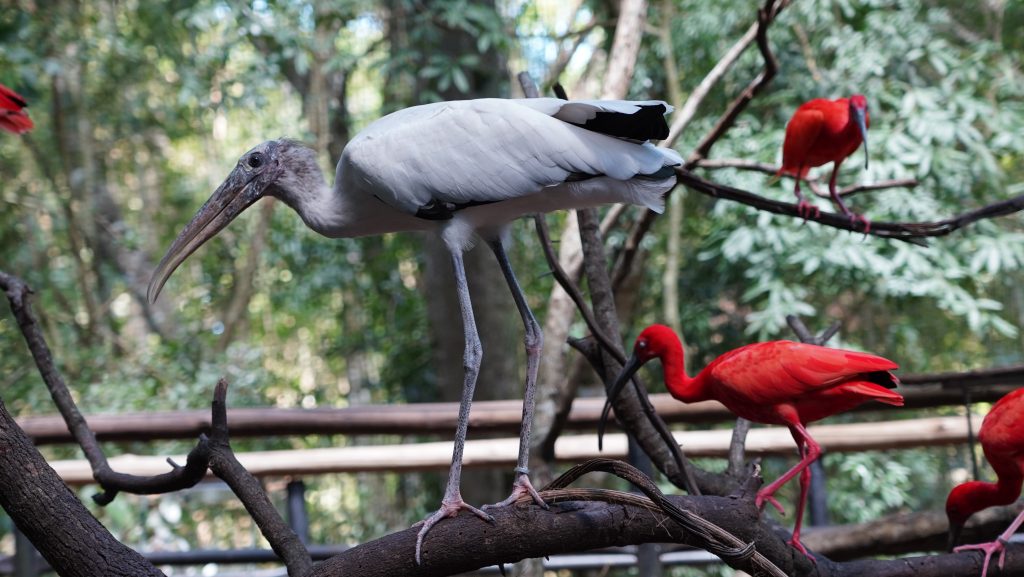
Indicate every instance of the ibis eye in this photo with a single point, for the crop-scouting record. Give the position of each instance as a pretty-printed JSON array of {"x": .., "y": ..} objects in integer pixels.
[
  {"x": 641, "y": 344},
  {"x": 255, "y": 160}
]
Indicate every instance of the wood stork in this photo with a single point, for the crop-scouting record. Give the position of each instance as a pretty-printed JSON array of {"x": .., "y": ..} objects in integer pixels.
[{"x": 458, "y": 168}]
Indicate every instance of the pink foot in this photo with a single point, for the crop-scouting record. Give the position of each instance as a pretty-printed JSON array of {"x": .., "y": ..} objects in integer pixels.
[
  {"x": 804, "y": 210},
  {"x": 989, "y": 548},
  {"x": 795, "y": 542},
  {"x": 763, "y": 497},
  {"x": 448, "y": 509},
  {"x": 520, "y": 488},
  {"x": 859, "y": 217}
]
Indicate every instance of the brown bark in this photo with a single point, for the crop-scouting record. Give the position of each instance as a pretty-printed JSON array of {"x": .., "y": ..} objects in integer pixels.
[{"x": 71, "y": 540}]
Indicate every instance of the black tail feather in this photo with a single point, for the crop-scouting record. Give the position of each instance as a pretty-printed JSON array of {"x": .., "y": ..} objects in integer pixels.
[
  {"x": 883, "y": 378},
  {"x": 648, "y": 123}
]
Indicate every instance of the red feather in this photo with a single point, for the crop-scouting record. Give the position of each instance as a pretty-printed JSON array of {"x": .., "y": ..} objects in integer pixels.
[
  {"x": 13, "y": 118},
  {"x": 777, "y": 382},
  {"x": 1002, "y": 438}
]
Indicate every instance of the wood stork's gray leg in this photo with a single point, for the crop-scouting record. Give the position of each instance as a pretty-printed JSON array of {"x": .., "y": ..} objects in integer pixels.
[
  {"x": 452, "y": 502},
  {"x": 534, "y": 340}
]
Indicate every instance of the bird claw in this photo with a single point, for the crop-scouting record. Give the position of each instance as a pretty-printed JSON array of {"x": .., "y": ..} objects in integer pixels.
[
  {"x": 521, "y": 487},
  {"x": 795, "y": 542},
  {"x": 804, "y": 210},
  {"x": 854, "y": 217},
  {"x": 989, "y": 549},
  {"x": 763, "y": 498},
  {"x": 448, "y": 509}
]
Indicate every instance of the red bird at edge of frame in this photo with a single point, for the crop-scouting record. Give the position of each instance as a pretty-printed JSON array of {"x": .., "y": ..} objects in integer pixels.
[
  {"x": 823, "y": 131},
  {"x": 775, "y": 383},
  {"x": 13, "y": 118},
  {"x": 1002, "y": 438}
]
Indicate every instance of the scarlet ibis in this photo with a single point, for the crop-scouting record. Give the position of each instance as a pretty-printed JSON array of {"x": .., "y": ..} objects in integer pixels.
[
  {"x": 457, "y": 168},
  {"x": 1002, "y": 439},
  {"x": 13, "y": 117},
  {"x": 776, "y": 383},
  {"x": 823, "y": 131}
]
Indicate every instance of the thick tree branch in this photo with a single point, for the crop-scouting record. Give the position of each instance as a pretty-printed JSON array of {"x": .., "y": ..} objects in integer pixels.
[
  {"x": 714, "y": 539},
  {"x": 19, "y": 296},
  {"x": 904, "y": 533},
  {"x": 71, "y": 540},
  {"x": 595, "y": 270}
]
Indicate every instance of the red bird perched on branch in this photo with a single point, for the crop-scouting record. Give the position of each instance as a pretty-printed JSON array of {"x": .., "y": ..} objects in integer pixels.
[
  {"x": 823, "y": 131},
  {"x": 776, "y": 383},
  {"x": 1002, "y": 438},
  {"x": 12, "y": 116}
]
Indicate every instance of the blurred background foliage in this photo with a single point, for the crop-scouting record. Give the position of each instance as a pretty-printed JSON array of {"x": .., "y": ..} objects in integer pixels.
[{"x": 141, "y": 108}]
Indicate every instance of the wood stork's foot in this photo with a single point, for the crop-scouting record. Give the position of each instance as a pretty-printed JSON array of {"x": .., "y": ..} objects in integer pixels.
[
  {"x": 521, "y": 487},
  {"x": 766, "y": 497},
  {"x": 805, "y": 209},
  {"x": 795, "y": 542},
  {"x": 989, "y": 548},
  {"x": 449, "y": 508}
]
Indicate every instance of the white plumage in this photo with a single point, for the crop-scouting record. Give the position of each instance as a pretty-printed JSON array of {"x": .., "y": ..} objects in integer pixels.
[{"x": 460, "y": 168}]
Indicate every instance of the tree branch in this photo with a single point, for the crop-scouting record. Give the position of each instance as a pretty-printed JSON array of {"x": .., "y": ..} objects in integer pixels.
[
  {"x": 71, "y": 540},
  {"x": 770, "y": 169},
  {"x": 613, "y": 349},
  {"x": 912, "y": 232},
  {"x": 19, "y": 296},
  {"x": 765, "y": 17},
  {"x": 283, "y": 540}
]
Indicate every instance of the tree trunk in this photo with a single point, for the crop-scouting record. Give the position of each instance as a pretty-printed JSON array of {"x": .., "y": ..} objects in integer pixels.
[{"x": 41, "y": 505}]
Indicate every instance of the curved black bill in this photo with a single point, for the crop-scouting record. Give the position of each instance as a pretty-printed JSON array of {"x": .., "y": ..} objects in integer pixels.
[
  {"x": 954, "y": 536},
  {"x": 630, "y": 369},
  {"x": 858, "y": 117},
  {"x": 232, "y": 197}
]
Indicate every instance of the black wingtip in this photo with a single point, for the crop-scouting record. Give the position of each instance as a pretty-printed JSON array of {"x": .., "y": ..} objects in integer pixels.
[{"x": 647, "y": 123}]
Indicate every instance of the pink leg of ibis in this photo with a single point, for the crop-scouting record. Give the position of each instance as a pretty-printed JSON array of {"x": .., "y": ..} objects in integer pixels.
[
  {"x": 805, "y": 483},
  {"x": 854, "y": 217},
  {"x": 765, "y": 495},
  {"x": 804, "y": 208},
  {"x": 534, "y": 340},
  {"x": 997, "y": 546},
  {"x": 452, "y": 502}
]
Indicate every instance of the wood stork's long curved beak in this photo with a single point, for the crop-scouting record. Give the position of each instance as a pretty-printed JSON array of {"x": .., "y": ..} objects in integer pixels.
[
  {"x": 858, "y": 117},
  {"x": 632, "y": 365},
  {"x": 236, "y": 194}
]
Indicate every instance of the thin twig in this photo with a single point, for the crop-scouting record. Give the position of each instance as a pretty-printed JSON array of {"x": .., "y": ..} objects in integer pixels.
[
  {"x": 179, "y": 477},
  {"x": 714, "y": 539},
  {"x": 912, "y": 232},
  {"x": 682, "y": 118},
  {"x": 771, "y": 169},
  {"x": 765, "y": 17},
  {"x": 249, "y": 491}
]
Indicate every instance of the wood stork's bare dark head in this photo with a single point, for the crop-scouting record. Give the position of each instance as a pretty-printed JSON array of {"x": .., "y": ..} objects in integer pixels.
[{"x": 282, "y": 168}]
